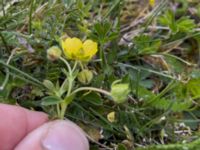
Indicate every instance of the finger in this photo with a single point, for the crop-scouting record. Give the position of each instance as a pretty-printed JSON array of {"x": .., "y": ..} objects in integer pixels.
[
  {"x": 59, "y": 135},
  {"x": 15, "y": 123}
]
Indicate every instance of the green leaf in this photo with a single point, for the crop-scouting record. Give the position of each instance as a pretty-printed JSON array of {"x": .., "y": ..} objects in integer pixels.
[
  {"x": 64, "y": 87},
  {"x": 121, "y": 147},
  {"x": 194, "y": 87},
  {"x": 68, "y": 3},
  {"x": 50, "y": 100},
  {"x": 69, "y": 99},
  {"x": 102, "y": 29},
  {"x": 10, "y": 38},
  {"x": 194, "y": 145},
  {"x": 93, "y": 98},
  {"x": 49, "y": 85},
  {"x": 144, "y": 44},
  {"x": 102, "y": 32},
  {"x": 151, "y": 99},
  {"x": 168, "y": 19},
  {"x": 185, "y": 24},
  {"x": 195, "y": 74},
  {"x": 175, "y": 65}
]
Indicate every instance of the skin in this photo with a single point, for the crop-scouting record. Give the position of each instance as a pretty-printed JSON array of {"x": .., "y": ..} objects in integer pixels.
[{"x": 24, "y": 129}]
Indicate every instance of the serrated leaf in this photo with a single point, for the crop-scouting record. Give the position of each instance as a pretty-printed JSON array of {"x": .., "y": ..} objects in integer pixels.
[
  {"x": 185, "y": 24},
  {"x": 146, "y": 45},
  {"x": 168, "y": 19}
]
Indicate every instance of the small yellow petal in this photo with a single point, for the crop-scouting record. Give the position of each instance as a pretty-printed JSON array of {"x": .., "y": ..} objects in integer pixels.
[
  {"x": 71, "y": 47},
  {"x": 111, "y": 117},
  {"x": 89, "y": 48},
  {"x": 152, "y": 2}
]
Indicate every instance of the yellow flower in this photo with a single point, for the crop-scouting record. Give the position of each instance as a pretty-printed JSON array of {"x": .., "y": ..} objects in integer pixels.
[
  {"x": 75, "y": 49},
  {"x": 71, "y": 47},
  {"x": 152, "y": 2},
  {"x": 90, "y": 48}
]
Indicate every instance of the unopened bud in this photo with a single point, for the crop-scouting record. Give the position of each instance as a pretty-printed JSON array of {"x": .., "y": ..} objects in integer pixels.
[
  {"x": 85, "y": 76},
  {"x": 111, "y": 117},
  {"x": 53, "y": 53},
  {"x": 120, "y": 91}
]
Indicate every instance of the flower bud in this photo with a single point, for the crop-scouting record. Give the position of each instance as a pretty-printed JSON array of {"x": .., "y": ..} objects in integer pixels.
[
  {"x": 53, "y": 53},
  {"x": 85, "y": 76},
  {"x": 120, "y": 91},
  {"x": 111, "y": 117}
]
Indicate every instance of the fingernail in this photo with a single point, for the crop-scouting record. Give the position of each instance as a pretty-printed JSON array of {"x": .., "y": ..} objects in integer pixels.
[{"x": 64, "y": 135}]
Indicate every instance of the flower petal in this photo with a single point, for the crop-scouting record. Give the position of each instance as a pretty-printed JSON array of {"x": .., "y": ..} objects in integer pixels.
[
  {"x": 89, "y": 48},
  {"x": 71, "y": 47}
]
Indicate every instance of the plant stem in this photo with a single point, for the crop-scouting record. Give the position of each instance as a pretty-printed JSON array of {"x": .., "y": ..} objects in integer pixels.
[
  {"x": 4, "y": 12},
  {"x": 81, "y": 65},
  {"x": 4, "y": 42},
  {"x": 75, "y": 65},
  {"x": 58, "y": 110},
  {"x": 178, "y": 58},
  {"x": 63, "y": 109},
  {"x": 149, "y": 70},
  {"x": 64, "y": 104},
  {"x": 91, "y": 89},
  {"x": 7, "y": 71},
  {"x": 70, "y": 80},
  {"x": 30, "y": 17},
  {"x": 22, "y": 73},
  {"x": 70, "y": 86},
  {"x": 102, "y": 56},
  {"x": 67, "y": 64}
]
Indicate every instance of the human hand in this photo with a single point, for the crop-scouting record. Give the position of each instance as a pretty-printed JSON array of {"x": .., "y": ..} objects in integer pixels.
[{"x": 22, "y": 129}]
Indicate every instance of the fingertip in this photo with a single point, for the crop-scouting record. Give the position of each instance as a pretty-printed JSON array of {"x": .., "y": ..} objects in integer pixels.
[
  {"x": 59, "y": 135},
  {"x": 35, "y": 119},
  {"x": 64, "y": 134},
  {"x": 15, "y": 123}
]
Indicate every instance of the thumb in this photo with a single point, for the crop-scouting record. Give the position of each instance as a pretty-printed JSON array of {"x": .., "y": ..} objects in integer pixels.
[{"x": 55, "y": 135}]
